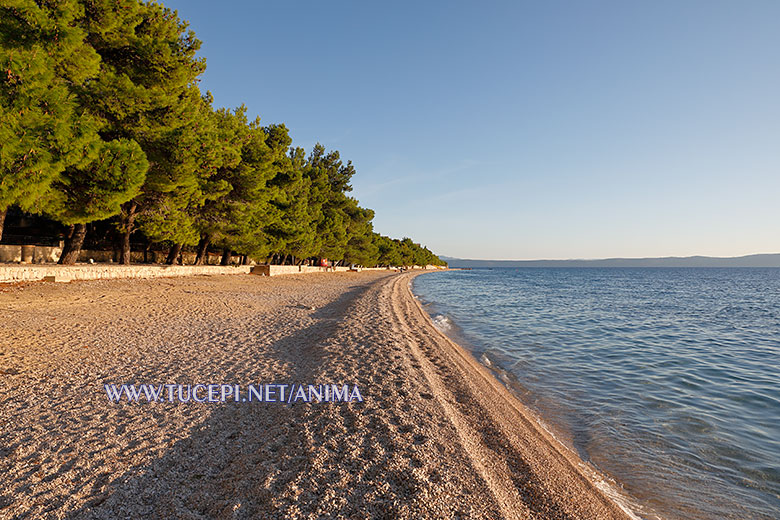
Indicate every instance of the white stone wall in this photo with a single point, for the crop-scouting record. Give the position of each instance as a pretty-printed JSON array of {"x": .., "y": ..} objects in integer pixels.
[
  {"x": 64, "y": 273},
  {"x": 276, "y": 270},
  {"x": 33, "y": 254},
  {"x": 21, "y": 273}
]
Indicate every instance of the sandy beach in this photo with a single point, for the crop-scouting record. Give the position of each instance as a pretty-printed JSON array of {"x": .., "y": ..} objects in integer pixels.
[{"x": 436, "y": 436}]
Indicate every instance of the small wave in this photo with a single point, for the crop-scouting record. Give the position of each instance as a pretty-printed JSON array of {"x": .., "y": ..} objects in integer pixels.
[
  {"x": 613, "y": 491},
  {"x": 442, "y": 322},
  {"x": 607, "y": 485}
]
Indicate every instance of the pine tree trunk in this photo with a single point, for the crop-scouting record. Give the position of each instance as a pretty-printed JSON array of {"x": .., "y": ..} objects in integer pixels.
[
  {"x": 173, "y": 254},
  {"x": 66, "y": 246},
  {"x": 146, "y": 252},
  {"x": 244, "y": 260},
  {"x": 225, "y": 257},
  {"x": 2, "y": 220},
  {"x": 203, "y": 247},
  {"x": 126, "y": 221},
  {"x": 73, "y": 243}
]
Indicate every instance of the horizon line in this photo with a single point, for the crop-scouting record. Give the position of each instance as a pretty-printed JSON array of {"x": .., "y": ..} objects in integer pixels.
[{"x": 600, "y": 259}]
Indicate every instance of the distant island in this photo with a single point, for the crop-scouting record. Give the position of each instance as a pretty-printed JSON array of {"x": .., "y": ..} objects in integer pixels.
[{"x": 760, "y": 260}]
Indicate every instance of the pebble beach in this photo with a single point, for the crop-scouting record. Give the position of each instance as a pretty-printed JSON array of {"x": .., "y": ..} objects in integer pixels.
[{"x": 435, "y": 435}]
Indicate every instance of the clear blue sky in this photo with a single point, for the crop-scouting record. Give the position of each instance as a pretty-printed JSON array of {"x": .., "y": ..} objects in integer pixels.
[{"x": 524, "y": 130}]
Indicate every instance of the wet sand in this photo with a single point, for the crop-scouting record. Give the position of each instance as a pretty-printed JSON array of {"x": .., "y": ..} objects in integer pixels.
[{"x": 435, "y": 437}]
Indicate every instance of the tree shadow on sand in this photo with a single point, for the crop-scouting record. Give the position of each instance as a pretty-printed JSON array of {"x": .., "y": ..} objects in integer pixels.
[{"x": 273, "y": 460}]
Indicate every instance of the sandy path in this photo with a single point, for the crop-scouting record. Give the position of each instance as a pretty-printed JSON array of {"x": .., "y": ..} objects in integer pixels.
[{"x": 436, "y": 436}]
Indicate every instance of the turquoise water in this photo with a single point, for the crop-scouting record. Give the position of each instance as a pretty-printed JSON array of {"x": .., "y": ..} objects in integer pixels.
[{"x": 665, "y": 380}]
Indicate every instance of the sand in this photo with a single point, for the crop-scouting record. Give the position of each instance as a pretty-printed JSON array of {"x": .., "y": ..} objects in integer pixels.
[{"x": 436, "y": 436}]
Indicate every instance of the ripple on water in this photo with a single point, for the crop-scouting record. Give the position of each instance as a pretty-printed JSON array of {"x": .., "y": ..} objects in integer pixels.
[{"x": 665, "y": 379}]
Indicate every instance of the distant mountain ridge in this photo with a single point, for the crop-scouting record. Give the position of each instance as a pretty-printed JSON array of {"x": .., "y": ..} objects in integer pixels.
[{"x": 760, "y": 260}]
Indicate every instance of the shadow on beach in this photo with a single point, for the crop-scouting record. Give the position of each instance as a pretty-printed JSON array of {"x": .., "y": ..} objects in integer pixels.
[{"x": 264, "y": 460}]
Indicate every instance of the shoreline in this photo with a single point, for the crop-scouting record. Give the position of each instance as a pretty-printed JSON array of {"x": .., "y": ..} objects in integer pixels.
[
  {"x": 436, "y": 436},
  {"x": 604, "y": 482},
  {"x": 528, "y": 417}
]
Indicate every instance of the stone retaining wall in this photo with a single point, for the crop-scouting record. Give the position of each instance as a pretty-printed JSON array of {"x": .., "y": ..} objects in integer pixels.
[
  {"x": 29, "y": 254},
  {"x": 275, "y": 270},
  {"x": 33, "y": 254},
  {"x": 66, "y": 273}
]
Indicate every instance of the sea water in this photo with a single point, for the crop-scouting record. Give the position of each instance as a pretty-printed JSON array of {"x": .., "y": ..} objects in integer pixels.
[{"x": 666, "y": 381}]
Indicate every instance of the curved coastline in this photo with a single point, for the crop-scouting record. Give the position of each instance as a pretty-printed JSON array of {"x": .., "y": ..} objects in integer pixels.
[
  {"x": 508, "y": 381},
  {"x": 528, "y": 438},
  {"x": 436, "y": 435}
]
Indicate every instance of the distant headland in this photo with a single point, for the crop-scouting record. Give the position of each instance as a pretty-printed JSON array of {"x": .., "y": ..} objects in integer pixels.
[{"x": 759, "y": 260}]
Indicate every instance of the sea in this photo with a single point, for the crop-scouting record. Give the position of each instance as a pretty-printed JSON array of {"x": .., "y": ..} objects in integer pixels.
[{"x": 665, "y": 382}]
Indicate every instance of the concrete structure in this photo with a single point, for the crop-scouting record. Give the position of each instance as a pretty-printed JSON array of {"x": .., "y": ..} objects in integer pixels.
[
  {"x": 32, "y": 254},
  {"x": 66, "y": 273},
  {"x": 29, "y": 254},
  {"x": 276, "y": 270}
]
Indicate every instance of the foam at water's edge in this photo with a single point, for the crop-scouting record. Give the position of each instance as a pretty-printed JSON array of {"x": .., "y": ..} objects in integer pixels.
[
  {"x": 611, "y": 488},
  {"x": 441, "y": 322}
]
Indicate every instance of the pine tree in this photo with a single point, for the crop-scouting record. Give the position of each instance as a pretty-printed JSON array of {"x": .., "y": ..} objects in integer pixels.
[
  {"x": 111, "y": 173},
  {"x": 360, "y": 248},
  {"x": 200, "y": 157},
  {"x": 43, "y": 55},
  {"x": 293, "y": 206},
  {"x": 253, "y": 204},
  {"x": 145, "y": 92},
  {"x": 101, "y": 117},
  {"x": 232, "y": 220},
  {"x": 387, "y": 249},
  {"x": 329, "y": 184}
]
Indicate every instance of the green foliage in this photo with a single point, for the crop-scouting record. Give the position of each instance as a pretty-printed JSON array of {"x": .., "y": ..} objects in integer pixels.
[
  {"x": 111, "y": 174},
  {"x": 404, "y": 252},
  {"x": 236, "y": 219},
  {"x": 43, "y": 55},
  {"x": 329, "y": 183},
  {"x": 194, "y": 166},
  {"x": 387, "y": 251},
  {"x": 146, "y": 91},
  {"x": 147, "y": 69},
  {"x": 101, "y": 117},
  {"x": 290, "y": 225},
  {"x": 360, "y": 248}
]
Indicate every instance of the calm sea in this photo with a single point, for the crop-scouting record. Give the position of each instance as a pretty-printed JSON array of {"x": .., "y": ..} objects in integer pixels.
[{"x": 665, "y": 380}]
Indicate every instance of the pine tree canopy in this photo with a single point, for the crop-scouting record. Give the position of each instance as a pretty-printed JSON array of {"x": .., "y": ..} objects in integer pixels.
[{"x": 102, "y": 121}]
